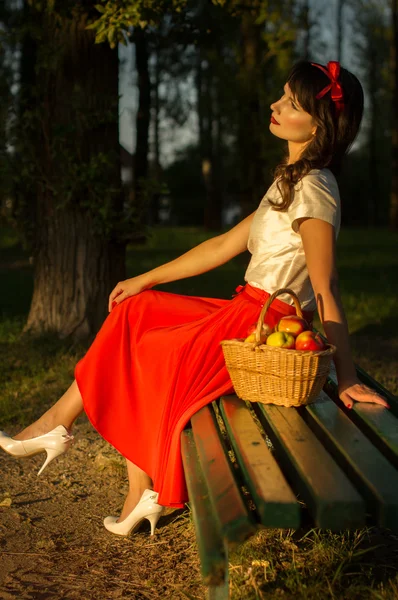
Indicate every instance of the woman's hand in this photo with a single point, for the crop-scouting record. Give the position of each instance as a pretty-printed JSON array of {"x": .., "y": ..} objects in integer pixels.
[
  {"x": 355, "y": 390},
  {"x": 125, "y": 289}
]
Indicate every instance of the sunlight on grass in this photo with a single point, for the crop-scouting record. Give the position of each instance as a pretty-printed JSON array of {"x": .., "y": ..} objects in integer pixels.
[
  {"x": 313, "y": 565},
  {"x": 304, "y": 565},
  {"x": 34, "y": 372}
]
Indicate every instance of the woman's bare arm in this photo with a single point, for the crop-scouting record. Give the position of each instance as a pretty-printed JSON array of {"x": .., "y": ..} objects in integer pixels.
[
  {"x": 202, "y": 258},
  {"x": 320, "y": 251},
  {"x": 206, "y": 256}
]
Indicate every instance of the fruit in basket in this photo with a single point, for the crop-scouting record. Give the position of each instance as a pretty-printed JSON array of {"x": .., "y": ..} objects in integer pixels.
[
  {"x": 281, "y": 339},
  {"x": 251, "y": 338},
  {"x": 309, "y": 340},
  {"x": 292, "y": 324},
  {"x": 265, "y": 332}
]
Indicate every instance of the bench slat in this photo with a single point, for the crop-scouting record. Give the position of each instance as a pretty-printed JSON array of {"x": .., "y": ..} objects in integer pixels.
[
  {"x": 276, "y": 504},
  {"x": 370, "y": 471},
  {"x": 332, "y": 500},
  {"x": 235, "y": 522},
  {"x": 212, "y": 551},
  {"x": 376, "y": 422}
]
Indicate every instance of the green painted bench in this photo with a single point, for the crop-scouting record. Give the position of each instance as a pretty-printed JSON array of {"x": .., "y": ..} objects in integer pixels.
[{"x": 330, "y": 467}]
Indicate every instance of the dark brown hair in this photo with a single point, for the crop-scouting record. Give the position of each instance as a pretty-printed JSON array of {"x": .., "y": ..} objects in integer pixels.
[{"x": 335, "y": 131}]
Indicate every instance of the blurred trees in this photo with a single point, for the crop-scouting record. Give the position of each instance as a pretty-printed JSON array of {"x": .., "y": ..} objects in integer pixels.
[
  {"x": 366, "y": 182},
  {"x": 7, "y": 46},
  {"x": 206, "y": 70},
  {"x": 67, "y": 196},
  {"x": 394, "y": 69}
]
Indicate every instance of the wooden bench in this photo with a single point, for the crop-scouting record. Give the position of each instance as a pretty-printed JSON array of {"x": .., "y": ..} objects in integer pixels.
[{"x": 329, "y": 467}]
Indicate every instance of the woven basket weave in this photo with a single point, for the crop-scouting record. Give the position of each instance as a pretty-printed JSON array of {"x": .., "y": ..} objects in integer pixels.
[{"x": 271, "y": 375}]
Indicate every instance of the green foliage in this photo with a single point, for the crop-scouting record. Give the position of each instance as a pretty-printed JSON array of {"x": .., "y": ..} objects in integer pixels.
[
  {"x": 118, "y": 17},
  {"x": 64, "y": 131}
]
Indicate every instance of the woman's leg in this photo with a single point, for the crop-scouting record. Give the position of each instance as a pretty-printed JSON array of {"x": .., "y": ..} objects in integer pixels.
[
  {"x": 64, "y": 412},
  {"x": 138, "y": 482}
]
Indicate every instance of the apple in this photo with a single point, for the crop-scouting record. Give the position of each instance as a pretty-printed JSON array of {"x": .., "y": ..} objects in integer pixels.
[
  {"x": 281, "y": 339},
  {"x": 251, "y": 338},
  {"x": 251, "y": 333},
  {"x": 309, "y": 340},
  {"x": 292, "y": 324}
]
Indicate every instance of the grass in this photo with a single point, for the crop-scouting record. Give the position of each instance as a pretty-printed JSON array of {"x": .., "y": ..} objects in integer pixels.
[
  {"x": 316, "y": 565},
  {"x": 301, "y": 564}
]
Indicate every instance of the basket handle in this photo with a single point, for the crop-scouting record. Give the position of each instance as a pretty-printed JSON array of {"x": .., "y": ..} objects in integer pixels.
[{"x": 266, "y": 306}]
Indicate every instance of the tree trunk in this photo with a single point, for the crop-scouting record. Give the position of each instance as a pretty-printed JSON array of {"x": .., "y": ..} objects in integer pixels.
[
  {"x": 77, "y": 258},
  {"x": 373, "y": 66},
  {"x": 340, "y": 21},
  {"x": 394, "y": 181},
  {"x": 155, "y": 200},
  {"x": 307, "y": 30},
  {"x": 207, "y": 151},
  {"x": 142, "y": 118},
  {"x": 250, "y": 125},
  {"x": 74, "y": 273}
]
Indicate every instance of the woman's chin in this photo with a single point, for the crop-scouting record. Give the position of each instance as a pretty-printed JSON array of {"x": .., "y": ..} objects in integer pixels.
[{"x": 274, "y": 130}]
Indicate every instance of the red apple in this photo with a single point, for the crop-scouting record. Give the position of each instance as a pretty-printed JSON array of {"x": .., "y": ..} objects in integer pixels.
[
  {"x": 292, "y": 324},
  {"x": 280, "y": 339},
  {"x": 309, "y": 340}
]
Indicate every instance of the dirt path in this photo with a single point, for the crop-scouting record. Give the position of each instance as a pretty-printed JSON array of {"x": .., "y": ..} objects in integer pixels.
[{"x": 53, "y": 544}]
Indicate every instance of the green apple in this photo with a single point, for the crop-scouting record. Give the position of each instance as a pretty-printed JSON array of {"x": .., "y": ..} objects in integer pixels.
[{"x": 281, "y": 339}]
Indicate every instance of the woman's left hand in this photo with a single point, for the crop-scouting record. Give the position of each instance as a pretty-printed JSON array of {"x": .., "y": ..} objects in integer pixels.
[{"x": 355, "y": 390}]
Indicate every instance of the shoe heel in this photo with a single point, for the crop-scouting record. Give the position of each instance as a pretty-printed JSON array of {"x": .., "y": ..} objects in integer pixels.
[
  {"x": 51, "y": 454},
  {"x": 153, "y": 519}
]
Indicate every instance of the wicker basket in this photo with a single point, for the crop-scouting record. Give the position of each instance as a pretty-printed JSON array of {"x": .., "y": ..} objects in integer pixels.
[{"x": 271, "y": 375}]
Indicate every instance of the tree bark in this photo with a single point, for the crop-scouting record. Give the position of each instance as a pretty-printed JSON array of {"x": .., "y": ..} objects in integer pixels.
[
  {"x": 394, "y": 181},
  {"x": 250, "y": 125},
  {"x": 205, "y": 111},
  {"x": 155, "y": 200},
  {"x": 340, "y": 26},
  {"x": 373, "y": 65},
  {"x": 307, "y": 29},
  {"x": 74, "y": 273},
  {"x": 76, "y": 262},
  {"x": 142, "y": 118}
]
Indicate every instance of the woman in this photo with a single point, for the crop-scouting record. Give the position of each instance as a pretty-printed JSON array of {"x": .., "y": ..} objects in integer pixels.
[{"x": 157, "y": 358}]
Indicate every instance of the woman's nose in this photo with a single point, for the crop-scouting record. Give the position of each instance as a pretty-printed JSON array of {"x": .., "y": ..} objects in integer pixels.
[{"x": 276, "y": 105}]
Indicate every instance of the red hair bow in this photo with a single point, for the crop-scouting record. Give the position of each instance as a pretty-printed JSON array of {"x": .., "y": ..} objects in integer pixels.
[{"x": 333, "y": 72}]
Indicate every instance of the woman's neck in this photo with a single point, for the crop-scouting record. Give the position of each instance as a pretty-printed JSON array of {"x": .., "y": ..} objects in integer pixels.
[{"x": 295, "y": 151}]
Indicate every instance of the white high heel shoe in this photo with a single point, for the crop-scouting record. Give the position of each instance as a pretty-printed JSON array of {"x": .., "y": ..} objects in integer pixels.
[
  {"x": 147, "y": 508},
  {"x": 54, "y": 442}
]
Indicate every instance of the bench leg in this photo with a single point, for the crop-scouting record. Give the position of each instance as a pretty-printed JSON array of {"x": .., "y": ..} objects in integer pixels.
[
  {"x": 213, "y": 550},
  {"x": 221, "y": 591}
]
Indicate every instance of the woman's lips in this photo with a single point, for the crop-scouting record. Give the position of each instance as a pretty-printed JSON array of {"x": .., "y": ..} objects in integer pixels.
[{"x": 274, "y": 121}]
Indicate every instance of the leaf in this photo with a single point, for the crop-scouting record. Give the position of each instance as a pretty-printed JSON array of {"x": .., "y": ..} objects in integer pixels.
[{"x": 6, "y": 502}]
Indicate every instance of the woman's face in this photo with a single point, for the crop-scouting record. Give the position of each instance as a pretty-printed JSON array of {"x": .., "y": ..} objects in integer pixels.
[{"x": 289, "y": 121}]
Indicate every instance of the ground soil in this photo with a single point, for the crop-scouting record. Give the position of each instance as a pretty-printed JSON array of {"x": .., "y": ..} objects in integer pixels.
[{"x": 53, "y": 544}]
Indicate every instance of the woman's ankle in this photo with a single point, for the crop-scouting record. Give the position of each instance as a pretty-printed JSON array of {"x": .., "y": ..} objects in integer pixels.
[{"x": 40, "y": 427}]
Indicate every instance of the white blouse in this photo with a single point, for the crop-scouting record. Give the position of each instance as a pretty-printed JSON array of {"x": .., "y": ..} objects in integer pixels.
[{"x": 278, "y": 259}]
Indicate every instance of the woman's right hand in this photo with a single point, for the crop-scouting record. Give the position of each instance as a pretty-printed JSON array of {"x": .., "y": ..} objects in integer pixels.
[{"x": 125, "y": 289}]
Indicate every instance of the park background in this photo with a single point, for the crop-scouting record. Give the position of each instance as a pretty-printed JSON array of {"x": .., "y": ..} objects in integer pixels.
[{"x": 131, "y": 131}]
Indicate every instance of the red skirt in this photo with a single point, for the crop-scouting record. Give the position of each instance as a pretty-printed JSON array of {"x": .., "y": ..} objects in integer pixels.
[{"x": 155, "y": 362}]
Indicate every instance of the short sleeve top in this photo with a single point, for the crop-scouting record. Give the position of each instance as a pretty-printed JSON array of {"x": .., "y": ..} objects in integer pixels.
[{"x": 278, "y": 259}]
